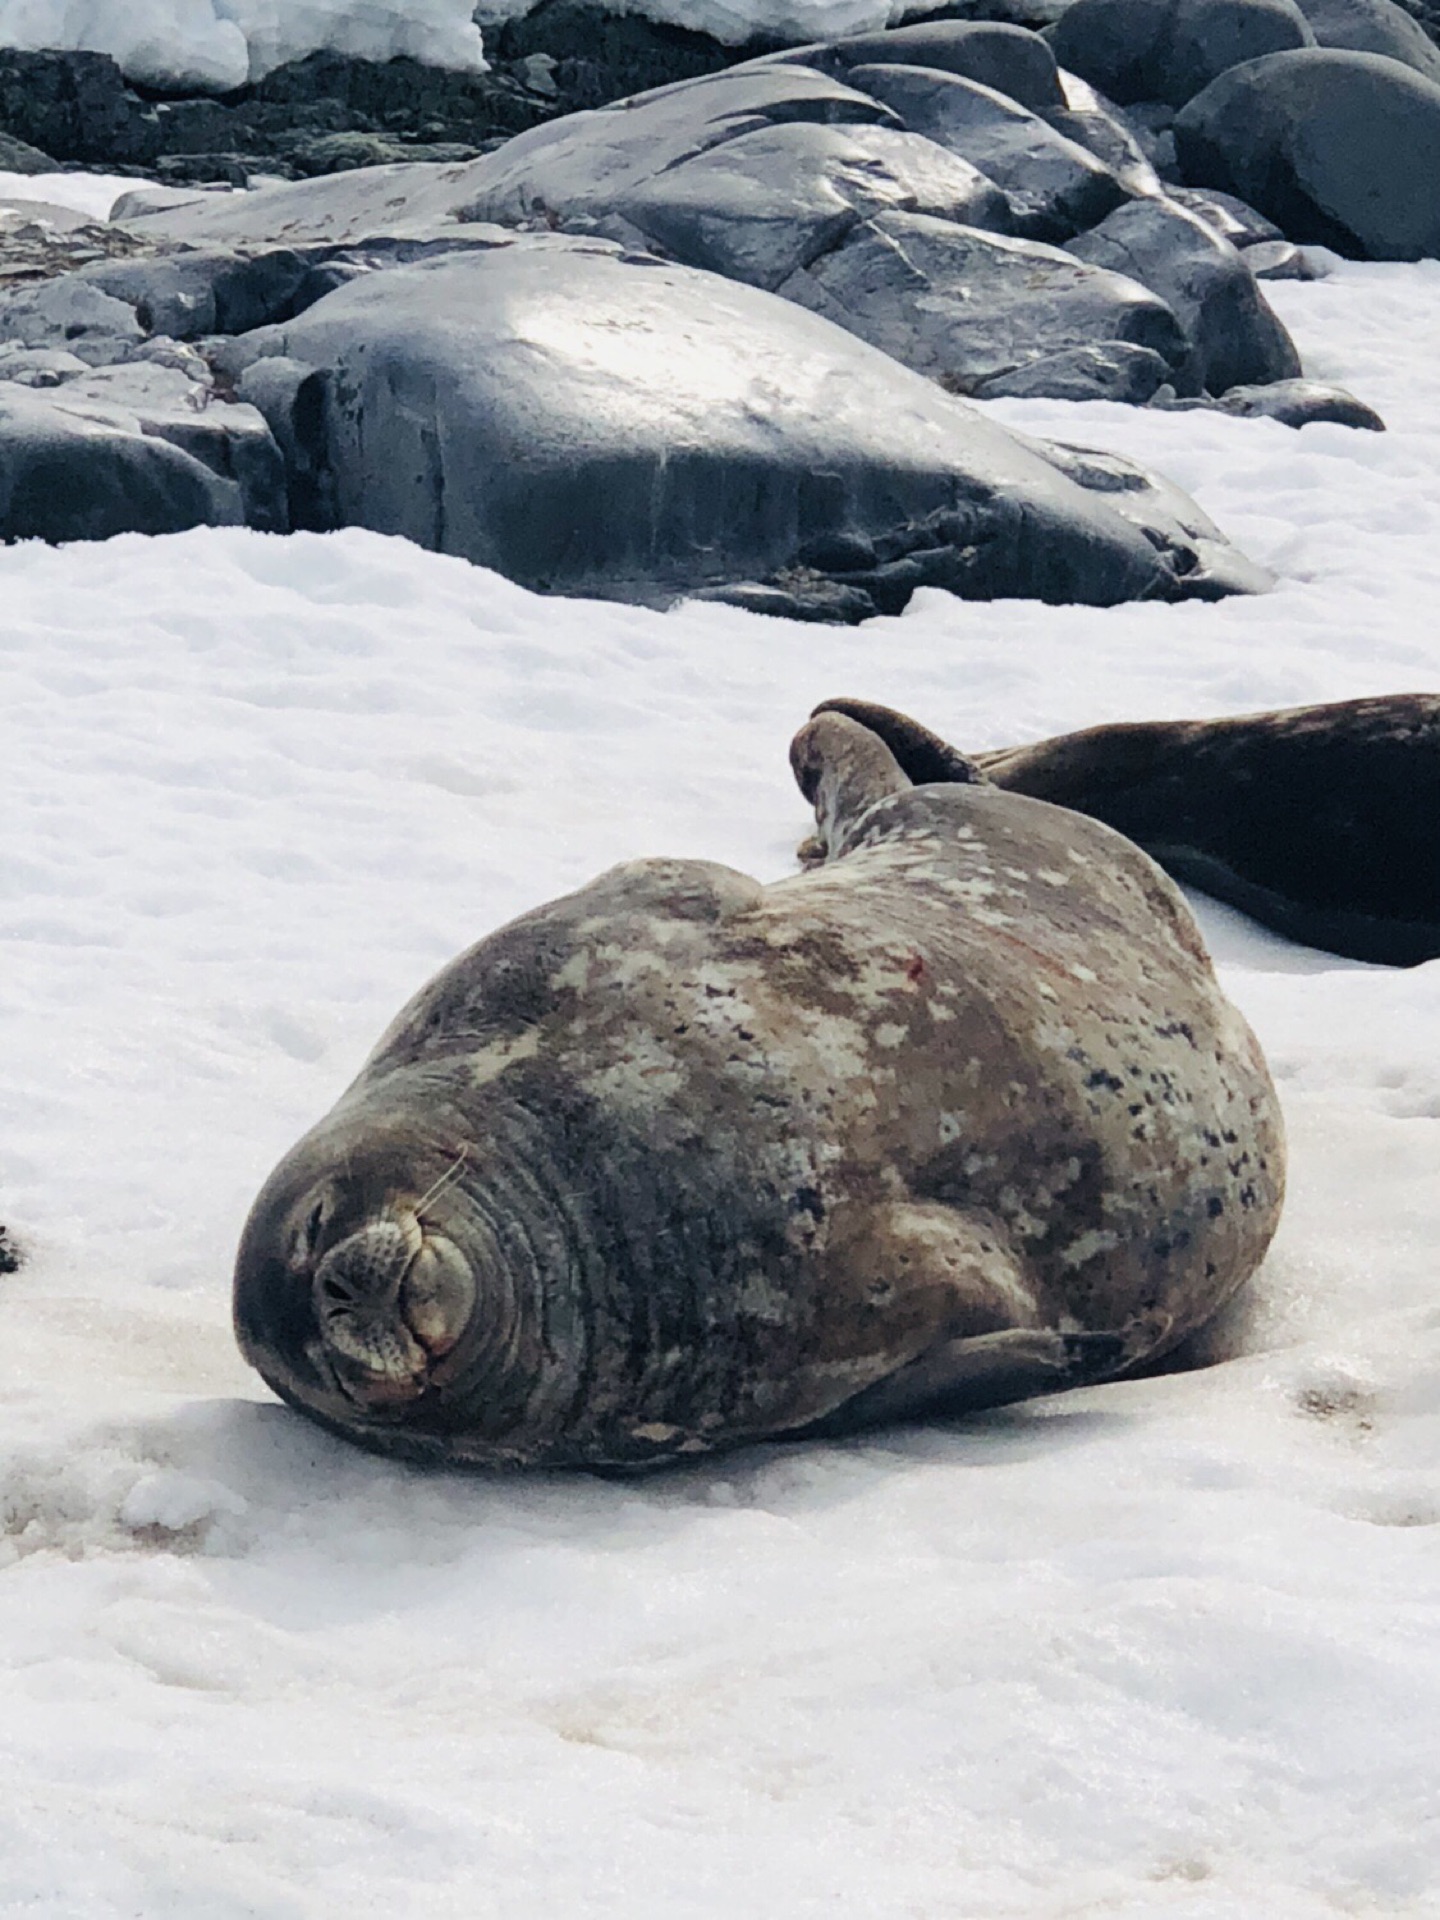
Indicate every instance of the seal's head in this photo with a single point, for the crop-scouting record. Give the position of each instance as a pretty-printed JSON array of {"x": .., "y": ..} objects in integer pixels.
[{"x": 356, "y": 1284}]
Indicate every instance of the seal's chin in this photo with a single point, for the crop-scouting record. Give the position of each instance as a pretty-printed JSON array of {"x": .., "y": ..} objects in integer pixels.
[{"x": 392, "y": 1300}]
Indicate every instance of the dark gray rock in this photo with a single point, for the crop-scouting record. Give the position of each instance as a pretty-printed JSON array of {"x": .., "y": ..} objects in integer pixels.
[
  {"x": 82, "y": 474},
  {"x": 342, "y": 152},
  {"x": 1279, "y": 260},
  {"x": 39, "y": 366},
  {"x": 164, "y": 403},
  {"x": 968, "y": 308},
  {"x": 813, "y": 598},
  {"x": 1158, "y": 508},
  {"x": 591, "y": 163},
  {"x": 600, "y": 56},
  {"x": 1101, "y": 128},
  {"x": 1340, "y": 149},
  {"x": 1373, "y": 26},
  {"x": 209, "y": 290},
  {"x": 1296, "y": 403},
  {"x": 72, "y": 316},
  {"x": 291, "y": 398},
  {"x": 1114, "y": 370},
  {"x": 76, "y": 106},
  {"x": 18, "y": 156},
  {"x": 589, "y": 425},
  {"x": 1008, "y": 59},
  {"x": 1242, "y": 226},
  {"x": 1232, "y": 334},
  {"x": 765, "y": 205},
  {"x": 1056, "y": 187},
  {"x": 1169, "y": 49}
]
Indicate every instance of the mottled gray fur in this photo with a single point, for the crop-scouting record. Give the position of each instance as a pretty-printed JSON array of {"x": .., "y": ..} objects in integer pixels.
[{"x": 681, "y": 1161}]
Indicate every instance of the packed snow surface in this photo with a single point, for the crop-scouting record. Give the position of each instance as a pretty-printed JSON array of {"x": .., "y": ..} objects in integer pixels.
[
  {"x": 1163, "y": 1648},
  {"x": 214, "y": 45}
]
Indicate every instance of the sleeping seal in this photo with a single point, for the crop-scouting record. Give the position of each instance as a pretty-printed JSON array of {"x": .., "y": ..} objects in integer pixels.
[
  {"x": 1320, "y": 822},
  {"x": 682, "y": 1161}
]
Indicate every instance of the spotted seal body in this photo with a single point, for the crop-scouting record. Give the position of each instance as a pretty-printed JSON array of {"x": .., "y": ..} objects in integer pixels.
[
  {"x": 1322, "y": 822},
  {"x": 681, "y": 1161}
]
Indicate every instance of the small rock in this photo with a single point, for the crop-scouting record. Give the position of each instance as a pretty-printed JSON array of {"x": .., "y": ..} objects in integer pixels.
[
  {"x": 537, "y": 72},
  {"x": 1109, "y": 370},
  {"x": 68, "y": 314},
  {"x": 1278, "y": 260},
  {"x": 38, "y": 366},
  {"x": 1297, "y": 403}
]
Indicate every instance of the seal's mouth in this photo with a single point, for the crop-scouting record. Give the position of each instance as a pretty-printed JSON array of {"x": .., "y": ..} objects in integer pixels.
[{"x": 391, "y": 1300}]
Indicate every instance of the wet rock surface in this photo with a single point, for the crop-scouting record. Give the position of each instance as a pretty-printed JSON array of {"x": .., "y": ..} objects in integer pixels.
[{"x": 640, "y": 430}]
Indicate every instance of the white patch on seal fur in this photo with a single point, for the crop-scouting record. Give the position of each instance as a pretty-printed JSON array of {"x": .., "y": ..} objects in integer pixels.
[{"x": 490, "y": 1062}]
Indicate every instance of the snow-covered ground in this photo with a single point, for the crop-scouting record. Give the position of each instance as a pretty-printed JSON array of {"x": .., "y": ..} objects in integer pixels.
[
  {"x": 1166, "y": 1648},
  {"x": 214, "y": 45}
]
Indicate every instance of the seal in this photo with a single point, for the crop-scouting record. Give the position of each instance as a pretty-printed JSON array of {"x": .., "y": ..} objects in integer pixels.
[
  {"x": 1319, "y": 822},
  {"x": 682, "y": 1161}
]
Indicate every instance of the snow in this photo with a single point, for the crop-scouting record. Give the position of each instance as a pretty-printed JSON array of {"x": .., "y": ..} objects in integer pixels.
[
  {"x": 93, "y": 194},
  {"x": 215, "y": 45},
  {"x": 1165, "y": 1648}
]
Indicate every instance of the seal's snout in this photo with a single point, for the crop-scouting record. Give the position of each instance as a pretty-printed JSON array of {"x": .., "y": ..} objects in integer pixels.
[
  {"x": 390, "y": 1300},
  {"x": 356, "y": 1291}
]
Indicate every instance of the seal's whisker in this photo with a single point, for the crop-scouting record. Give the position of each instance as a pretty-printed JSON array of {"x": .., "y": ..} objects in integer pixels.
[{"x": 450, "y": 1173}]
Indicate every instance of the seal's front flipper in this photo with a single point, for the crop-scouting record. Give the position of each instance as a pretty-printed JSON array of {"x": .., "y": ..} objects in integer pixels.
[
  {"x": 987, "y": 1370},
  {"x": 923, "y": 757}
]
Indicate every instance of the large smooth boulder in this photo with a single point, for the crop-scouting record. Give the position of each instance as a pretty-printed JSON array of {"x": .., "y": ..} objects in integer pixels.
[
  {"x": 1339, "y": 149},
  {"x": 1373, "y": 26},
  {"x": 1056, "y": 187},
  {"x": 1233, "y": 336},
  {"x": 764, "y": 205},
  {"x": 1169, "y": 49},
  {"x": 970, "y": 308},
  {"x": 588, "y": 163},
  {"x": 588, "y": 424},
  {"x": 1009, "y": 59}
]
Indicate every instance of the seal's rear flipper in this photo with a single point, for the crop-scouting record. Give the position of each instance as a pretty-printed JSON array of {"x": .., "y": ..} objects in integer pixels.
[
  {"x": 923, "y": 756},
  {"x": 843, "y": 769},
  {"x": 988, "y": 1370}
]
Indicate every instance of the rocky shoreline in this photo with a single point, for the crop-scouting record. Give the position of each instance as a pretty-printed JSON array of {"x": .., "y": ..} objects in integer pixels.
[
  {"x": 329, "y": 113},
  {"x": 714, "y": 339}
]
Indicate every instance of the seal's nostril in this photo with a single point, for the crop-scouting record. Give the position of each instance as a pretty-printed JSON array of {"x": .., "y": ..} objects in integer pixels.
[{"x": 357, "y": 1298}]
